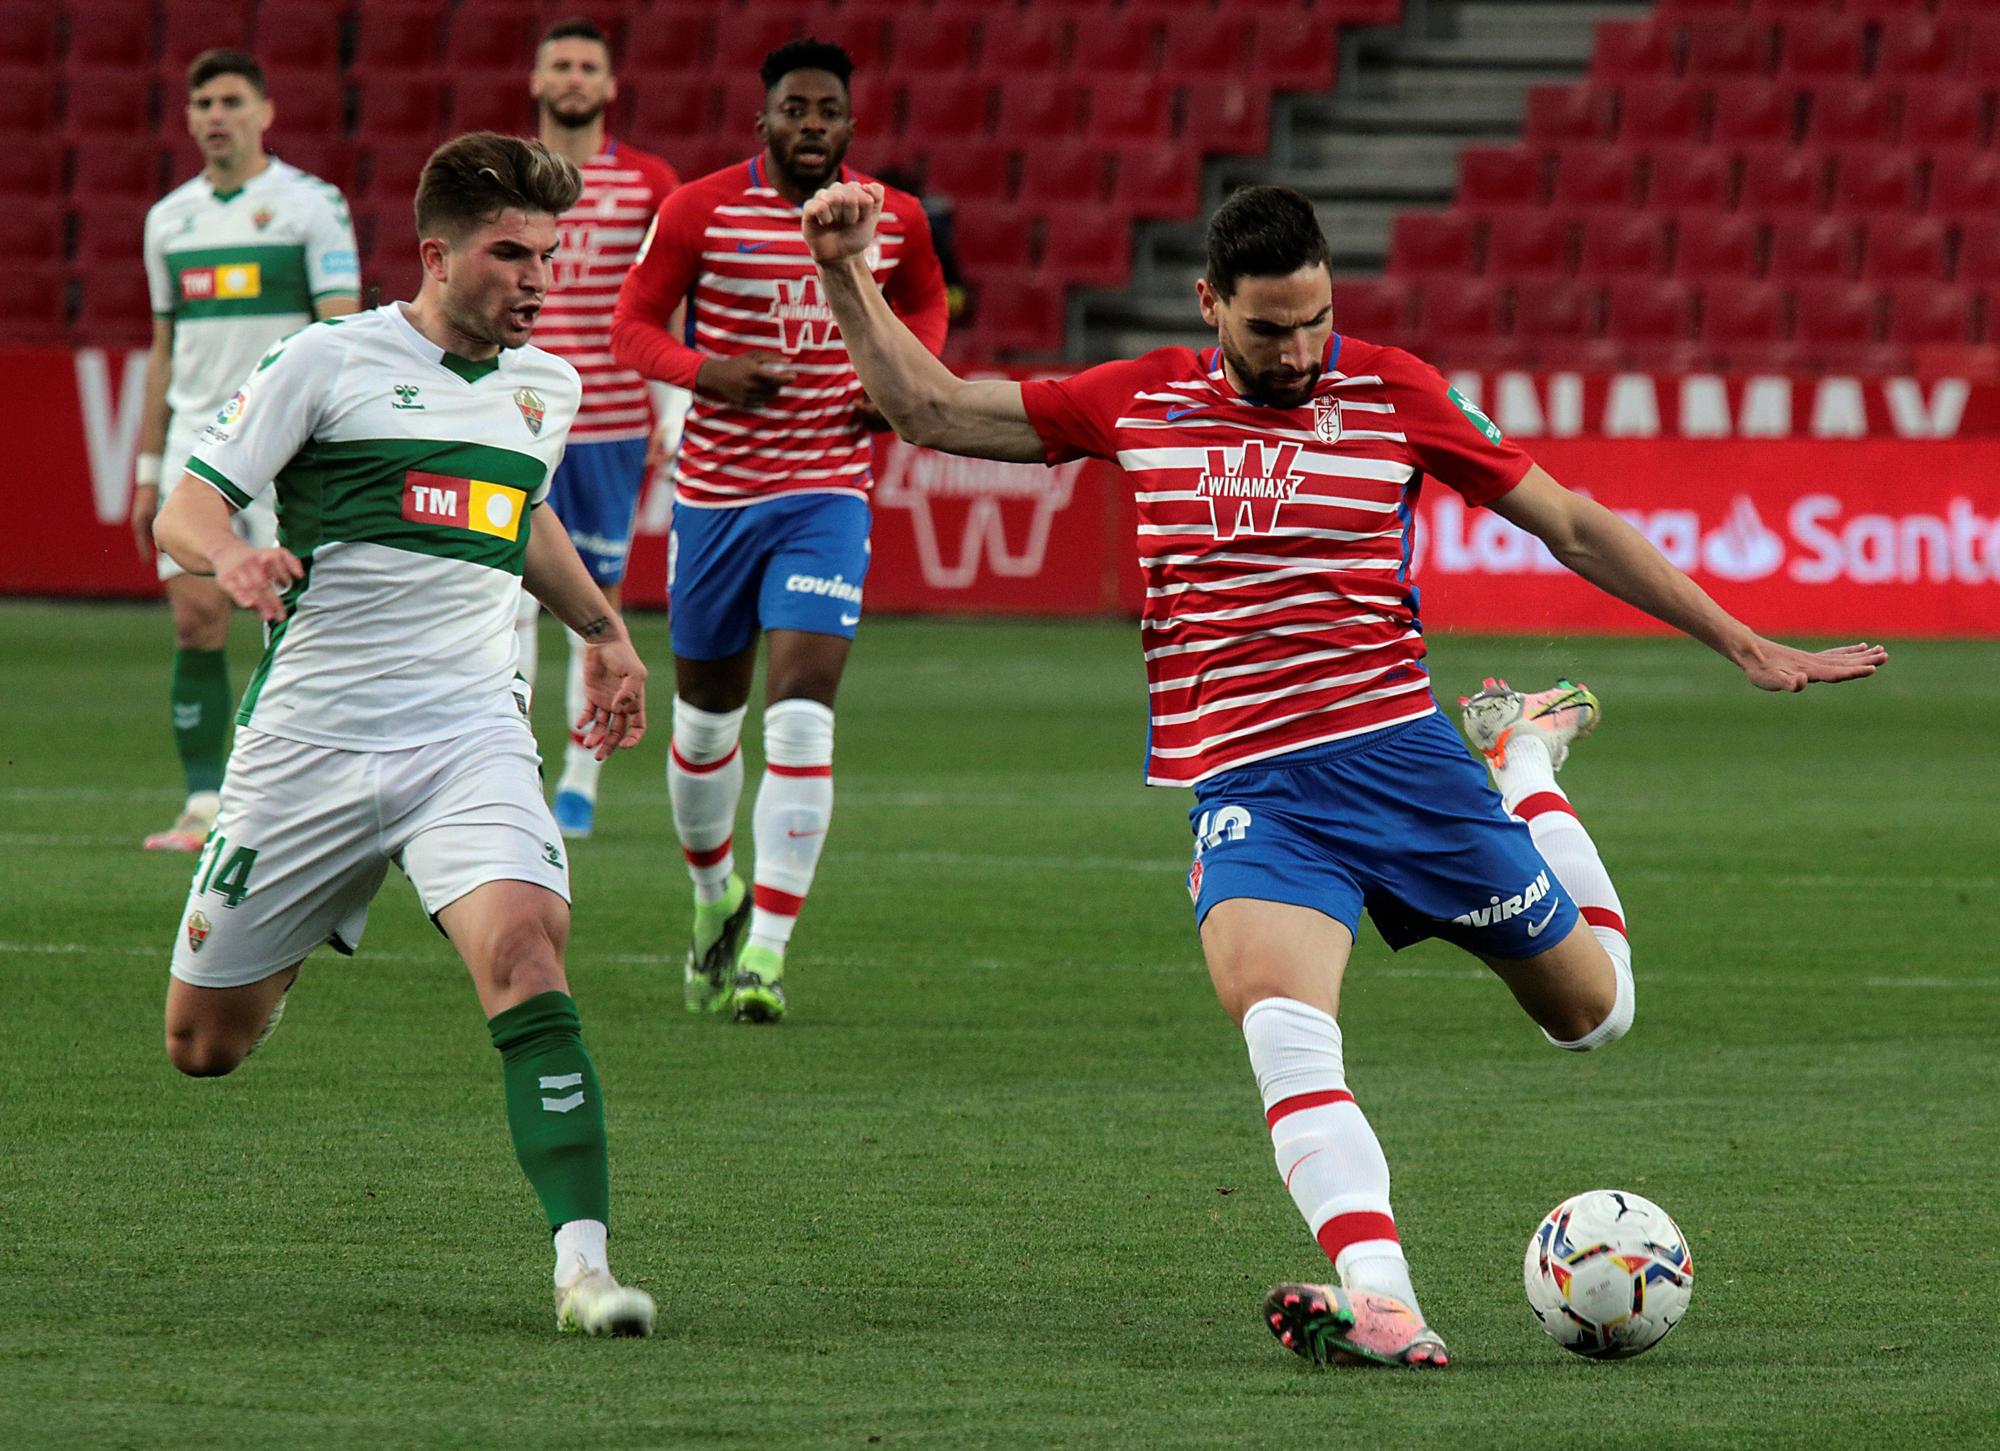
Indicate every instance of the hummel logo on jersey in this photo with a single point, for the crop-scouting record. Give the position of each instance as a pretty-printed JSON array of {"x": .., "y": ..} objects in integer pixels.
[
  {"x": 471, "y": 504},
  {"x": 406, "y": 398},
  {"x": 1501, "y": 909},
  {"x": 1245, "y": 487},
  {"x": 804, "y": 320},
  {"x": 1230, "y": 823}
]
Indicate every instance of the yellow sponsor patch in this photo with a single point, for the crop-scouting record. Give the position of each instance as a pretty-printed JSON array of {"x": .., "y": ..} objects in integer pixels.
[{"x": 496, "y": 509}]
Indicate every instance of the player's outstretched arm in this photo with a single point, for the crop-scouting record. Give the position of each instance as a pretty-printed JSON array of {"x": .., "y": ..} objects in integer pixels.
[
  {"x": 924, "y": 401},
  {"x": 614, "y": 677},
  {"x": 1618, "y": 559},
  {"x": 193, "y": 527}
]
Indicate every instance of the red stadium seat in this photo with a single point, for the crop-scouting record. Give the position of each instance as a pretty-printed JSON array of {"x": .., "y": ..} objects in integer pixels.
[
  {"x": 1719, "y": 248},
  {"x": 1626, "y": 50},
  {"x": 1057, "y": 172},
  {"x": 947, "y": 108},
  {"x": 673, "y": 43},
  {"x": 1596, "y": 177},
  {"x": 1131, "y": 111},
  {"x": 1916, "y": 50},
  {"x": 1120, "y": 43},
  {"x": 1020, "y": 42},
  {"x": 1875, "y": 180},
  {"x": 698, "y": 156},
  {"x": 113, "y": 106},
  {"x": 395, "y": 106},
  {"x": 1500, "y": 176},
  {"x": 493, "y": 35},
  {"x": 1087, "y": 245},
  {"x": 109, "y": 173},
  {"x": 298, "y": 34},
  {"x": 1888, "y": 11},
  {"x": 931, "y": 44},
  {"x": 1779, "y": 180},
  {"x": 1822, "y": 47},
  {"x": 1982, "y": 46},
  {"x": 1926, "y": 313},
  {"x": 109, "y": 33},
  {"x": 392, "y": 272},
  {"x": 1849, "y": 113},
  {"x": 34, "y": 305},
  {"x": 1942, "y": 113},
  {"x": 1156, "y": 183},
  {"x": 971, "y": 174},
  {"x": 744, "y": 37},
  {"x": 1906, "y": 249},
  {"x": 111, "y": 231},
  {"x": 32, "y": 231},
  {"x": 1651, "y": 113},
  {"x": 1036, "y": 108},
  {"x": 871, "y": 94},
  {"x": 1830, "y": 315},
  {"x": 1202, "y": 47},
  {"x": 333, "y": 159},
  {"x": 188, "y": 30},
  {"x": 307, "y": 103},
  {"x": 1556, "y": 311},
  {"x": 393, "y": 168},
  {"x": 1631, "y": 244},
  {"x": 1804, "y": 248},
  {"x": 1979, "y": 255},
  {"x": 1747, "y": 112},
  {"x": 990, "y": 236},
  {"x": 27, "y": 101},
  {"x": 666, "y": 106},
  {"x": 1227, "y": 116},
  {"x": 493, "y": 101},
  {"x": 1452, "y": 307},
  {"x": 1378, "y": 309},
  {"x": 1294, "y": 53},
  {"x": 1965, "y": 183},
  {"x": 398, "y": 36},
  {"x": 1021, "y": 313},
  {"x": 31, "y": 166},
  {"x": 1687, "y": 179},
  {"x": 1728, "y": 46},
  {"x": 1433, "y": 244},
  {"x": 1678, "y": 9},
  {"x": 30, "y": 28},
  {"x": 1649, "y": 311},
  {"x": 1527, "y": 243},
  {"x": 1736, "y": 317},
  {"x": 114, "y": 303}
]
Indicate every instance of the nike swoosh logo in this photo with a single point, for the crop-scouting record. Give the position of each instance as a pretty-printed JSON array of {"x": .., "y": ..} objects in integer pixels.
[
  {"x": 751, "y": 246},
  {"x": 1535, "y": 928},
  {"x": 795, "y": 834},
  {"x": 850, "y": 619},
  {"x": 1173, "y": 413}
]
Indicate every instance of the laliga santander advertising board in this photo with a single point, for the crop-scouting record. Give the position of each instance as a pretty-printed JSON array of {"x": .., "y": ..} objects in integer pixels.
[{"x": 1808, "y": 505}]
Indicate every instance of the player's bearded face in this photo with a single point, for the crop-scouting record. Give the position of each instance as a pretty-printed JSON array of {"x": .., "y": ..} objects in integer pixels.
[
  {"x": 1273, "y": 332},
  {"x": 227, "y": 118},
  {"x": 807, "y": 126},
  {"x": 572, "y": 81},
  {"x": 496, "y": 278}
]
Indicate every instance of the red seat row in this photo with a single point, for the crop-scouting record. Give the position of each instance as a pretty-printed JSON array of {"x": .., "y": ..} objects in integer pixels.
[
  {"x": 1733, "y": 112},
  {"x": 1811, "y": 45}
]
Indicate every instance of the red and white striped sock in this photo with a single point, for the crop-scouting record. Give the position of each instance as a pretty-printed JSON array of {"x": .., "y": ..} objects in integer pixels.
[
  {"x": 1528, "y": 789},
  {"x": 793, "y": 811},
  {"x": 705, "y": 781},
  {"x": 1327, "y": 1154}
]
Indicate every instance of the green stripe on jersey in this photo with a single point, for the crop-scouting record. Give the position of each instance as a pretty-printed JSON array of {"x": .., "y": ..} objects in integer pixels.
[
  {"x": 272, "y": 639},
  {"x": 246, "y": 280},
  {"x": 353, "y": 491},
  {"x": 229, "y": 491}
]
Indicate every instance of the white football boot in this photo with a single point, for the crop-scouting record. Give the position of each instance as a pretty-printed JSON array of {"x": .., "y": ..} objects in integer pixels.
[
  {"x": 1557, "y": 717},
  {"x": 596, "y": 1304},
  {"x": 191, "y": 828}
]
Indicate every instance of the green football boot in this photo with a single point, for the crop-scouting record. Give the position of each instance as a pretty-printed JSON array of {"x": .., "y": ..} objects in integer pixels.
[
  {"x": 758, "y": 993},
  {"x": 718, "y": 927}
]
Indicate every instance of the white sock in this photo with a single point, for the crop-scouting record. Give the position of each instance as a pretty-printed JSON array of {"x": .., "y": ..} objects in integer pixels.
[
  {"x": 794, "y": 809},
  {"x": 580, "y": 767},
  {"x": 705, "y": 781},
  {"x": 580, "y": 1247},
  {"x": 1327, "y": 1154},
  {"x": 205, "y": 802},
  {"x": 527, "y": 638},
  {"x": 1528, "y": 789}
]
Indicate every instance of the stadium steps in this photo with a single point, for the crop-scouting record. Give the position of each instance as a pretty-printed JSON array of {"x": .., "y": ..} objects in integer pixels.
[{"x": 1456, "y": 72}]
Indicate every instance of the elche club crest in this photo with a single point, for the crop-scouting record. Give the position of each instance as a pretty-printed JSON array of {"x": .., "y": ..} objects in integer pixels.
[
  {"x": 198, "y": 928},
  {"x": 533, "y": 410},
  {"x": 1326, "y": 420}
]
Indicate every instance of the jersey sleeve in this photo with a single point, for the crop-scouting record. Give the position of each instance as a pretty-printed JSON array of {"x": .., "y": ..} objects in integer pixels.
[
  {"x": 270, "y": 417},
  {"x": 333, "y": 260},
  {"x": 669, "y": 260},
  {"x": 159, "y": 277},
  {"x": 916, "y": 288},
  {"x": 1452, "y": 439},
  {"x": 1076, "y": 416}
]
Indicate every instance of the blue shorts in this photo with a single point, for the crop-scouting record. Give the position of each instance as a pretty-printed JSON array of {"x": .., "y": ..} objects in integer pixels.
[
  {"x": 1400, "y": 821},
  {"x": 792, "y": 563},
  {"x": 596, "y": 493}
]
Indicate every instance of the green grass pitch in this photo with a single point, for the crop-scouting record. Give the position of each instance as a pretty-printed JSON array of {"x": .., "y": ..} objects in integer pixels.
[{"x": 1001, "y": 1180}]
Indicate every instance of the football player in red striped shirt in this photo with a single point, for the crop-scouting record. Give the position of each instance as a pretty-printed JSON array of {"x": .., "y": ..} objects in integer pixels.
[
  {"x": 1276, "y": 476},
  {"x": 596, "y": 489},
  {"x": 770, "y": 531}
]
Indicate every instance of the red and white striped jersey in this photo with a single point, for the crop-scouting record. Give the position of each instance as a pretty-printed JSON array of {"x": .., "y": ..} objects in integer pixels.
[
  {"x": 731, "y": 246},
  {"x": 622, "y": 189},
  {"x": 1275, "y": 542}
]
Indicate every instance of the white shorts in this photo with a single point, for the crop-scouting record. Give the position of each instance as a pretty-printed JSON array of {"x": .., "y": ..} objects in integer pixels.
[
  {"x": 306, "y": 834},
  {"x": 256, "y": 526}
]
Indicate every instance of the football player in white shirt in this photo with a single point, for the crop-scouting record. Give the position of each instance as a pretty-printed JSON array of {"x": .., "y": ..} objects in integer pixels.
[{"x": 410, "y": 450}]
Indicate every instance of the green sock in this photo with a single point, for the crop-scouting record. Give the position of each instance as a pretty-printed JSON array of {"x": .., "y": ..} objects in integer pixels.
[
  {"x": 201, "y": 716},
  {"x": 555, "y": 1109}
]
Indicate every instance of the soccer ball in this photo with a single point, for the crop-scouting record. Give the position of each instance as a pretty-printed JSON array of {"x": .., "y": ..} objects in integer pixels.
[{"x": 1608, "y": 1274}]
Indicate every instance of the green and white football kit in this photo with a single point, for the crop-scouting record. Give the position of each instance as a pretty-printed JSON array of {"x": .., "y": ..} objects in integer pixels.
[
  {"x": 385, "y": 722},
  {"x": 237, "y": 271}
]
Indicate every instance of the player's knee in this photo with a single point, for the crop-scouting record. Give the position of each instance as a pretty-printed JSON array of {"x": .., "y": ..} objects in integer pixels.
[
  {"x": 524, "y": 960},
  {"x": 202, "y": 1054},
  {"x": 1592, "y": 1023}
]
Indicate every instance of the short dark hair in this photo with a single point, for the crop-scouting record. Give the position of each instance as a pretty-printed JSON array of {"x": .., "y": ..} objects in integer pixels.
[
  {"x": 807, "y": 54},
  {"x": 212, "y": 63},
  {"x": 577, "y": 27},
  {"x": 471, "y": 179},
  {"x": 1262, "y": 231}
]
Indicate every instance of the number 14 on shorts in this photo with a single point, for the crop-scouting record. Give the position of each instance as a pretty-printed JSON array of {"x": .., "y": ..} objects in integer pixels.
[{"x": 225, "y": 870}]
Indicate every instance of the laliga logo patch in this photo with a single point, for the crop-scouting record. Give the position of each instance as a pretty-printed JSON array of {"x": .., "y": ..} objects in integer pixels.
[
  {"x": 532, "y": 409},
  {"x": 233, "y": 410},
  {"x": 197, "y": 931},
  {"x": 1326, "y": 419}
]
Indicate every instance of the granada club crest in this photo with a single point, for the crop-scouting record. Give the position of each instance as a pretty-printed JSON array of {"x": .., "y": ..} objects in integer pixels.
[
  {"x": 197, "y": 931},
  {"x": 532, "y": 409},
  {"x": 1326, "y": 419}
]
